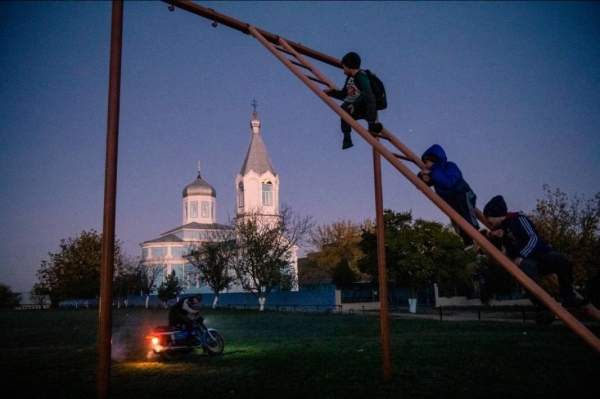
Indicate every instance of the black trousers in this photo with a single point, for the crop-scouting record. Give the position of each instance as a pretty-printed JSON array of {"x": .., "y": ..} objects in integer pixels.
[
  {"x": 178, "y": 318},
  {"x": 464, "y": 204},
  {"x": 551, "y": 262},
  {"x": 358, "y": 110}
]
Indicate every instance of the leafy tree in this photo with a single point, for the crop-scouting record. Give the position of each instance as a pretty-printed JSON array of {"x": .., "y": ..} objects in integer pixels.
[
  {"x": 418, "y": 252},
  {"x": 310, "y": 271},
  {"x": 493, "y": 279},
  {"x": 74, "y": 271},
  {"x": 572, "y": 226},
  {"x": 264, "y": 249},
  {"x": 394, "y": 224},
  {"x": 170, "y": 288},
  {"x": 126, "y": 281},
  {"x": 214, "y": 262},
  {"x": 343, "y": 275},
  {"x": 8, "y": 298},
  {"x": 335, "y": 243}
]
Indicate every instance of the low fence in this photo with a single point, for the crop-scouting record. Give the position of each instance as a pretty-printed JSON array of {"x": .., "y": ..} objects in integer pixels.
[
  {"x": 326, "y": 299},
  {"x": 32, "y": 307},
  {"x": 486, "y": 313},
  {"x": 319, "y": 296},
  {"x": 443, "y": 313}
]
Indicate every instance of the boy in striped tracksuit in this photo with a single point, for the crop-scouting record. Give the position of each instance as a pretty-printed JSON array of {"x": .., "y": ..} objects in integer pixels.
[{"x": 527, "y": 249}]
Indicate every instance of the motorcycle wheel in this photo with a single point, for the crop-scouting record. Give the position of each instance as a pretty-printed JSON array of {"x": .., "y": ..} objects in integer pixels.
[{"x": 213, "y": 343}]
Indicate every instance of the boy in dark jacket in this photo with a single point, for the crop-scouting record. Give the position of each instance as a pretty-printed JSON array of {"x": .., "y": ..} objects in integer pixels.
[
  {"x": 447, "y": 180},
  {"x": 186, "y": 312},
  {"x": 358, "y": 98},
  {"x": 532, "y": 254}
]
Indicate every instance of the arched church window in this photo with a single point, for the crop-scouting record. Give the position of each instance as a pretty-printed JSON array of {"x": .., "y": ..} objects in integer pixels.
[
  {"x": 267, "y": 193},
  {"x": 241, "y": 195},
  {"x": 194, "y": 209}
]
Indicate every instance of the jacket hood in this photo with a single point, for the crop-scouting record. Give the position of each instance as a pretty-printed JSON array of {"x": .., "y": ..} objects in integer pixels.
[{"x": 437, "y": 151}]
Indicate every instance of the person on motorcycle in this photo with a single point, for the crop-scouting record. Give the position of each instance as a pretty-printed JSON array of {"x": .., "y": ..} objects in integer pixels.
[{"x": 186, "y": 312}]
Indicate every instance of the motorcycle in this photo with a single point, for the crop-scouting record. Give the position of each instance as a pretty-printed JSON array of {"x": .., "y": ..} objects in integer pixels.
[{"x": 167, "y": 342}]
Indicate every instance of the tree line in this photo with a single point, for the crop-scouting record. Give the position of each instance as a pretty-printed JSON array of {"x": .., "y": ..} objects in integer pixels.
[
  {"x": 256, "y": 255},
  {"x": 420, "y": 252}
]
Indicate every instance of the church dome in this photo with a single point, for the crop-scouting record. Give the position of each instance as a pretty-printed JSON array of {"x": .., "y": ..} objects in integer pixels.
[{"x": 199, "y": 187}]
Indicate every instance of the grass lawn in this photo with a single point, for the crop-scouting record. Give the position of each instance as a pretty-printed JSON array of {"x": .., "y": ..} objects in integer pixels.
[{"x": 51, "y": 354}]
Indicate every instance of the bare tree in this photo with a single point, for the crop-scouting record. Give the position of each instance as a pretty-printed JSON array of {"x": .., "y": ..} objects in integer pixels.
[
  {"x": 213, "y": 260},
  {"x": 147, "y": 277},
  {"x": 265, "y": 244}
]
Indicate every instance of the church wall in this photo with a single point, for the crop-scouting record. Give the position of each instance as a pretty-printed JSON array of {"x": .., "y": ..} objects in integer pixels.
[{"x": 193, "y": 210}]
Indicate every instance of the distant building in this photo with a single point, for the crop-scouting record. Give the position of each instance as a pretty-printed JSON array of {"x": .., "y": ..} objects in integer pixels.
[{"x": 257, "y": 192}]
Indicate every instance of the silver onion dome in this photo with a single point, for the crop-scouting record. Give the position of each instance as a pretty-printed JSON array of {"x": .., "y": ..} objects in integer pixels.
[{"x": 199, "y": 187}]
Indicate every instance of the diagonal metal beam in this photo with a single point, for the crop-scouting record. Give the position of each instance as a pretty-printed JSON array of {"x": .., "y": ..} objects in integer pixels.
[{"x": 243, "y": 27}]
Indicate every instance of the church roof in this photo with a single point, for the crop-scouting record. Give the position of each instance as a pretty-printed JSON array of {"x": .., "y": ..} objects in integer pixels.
[
  {"x": 199, "y": 187},
  {"x": 257, "y": 158},
  {"x": 167, "y": 238},
  {"x": 200, "y": 226}
]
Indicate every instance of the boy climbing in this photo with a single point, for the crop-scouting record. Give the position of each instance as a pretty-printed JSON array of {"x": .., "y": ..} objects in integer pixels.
[
  {"x": 358, "y": 97},
  {"x": 532, "y": 254},
  {"x": 447, "y": 180}
]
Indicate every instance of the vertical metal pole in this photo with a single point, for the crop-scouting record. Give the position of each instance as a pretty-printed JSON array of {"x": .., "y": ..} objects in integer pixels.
[
  {"x": 110, "y": 194},
  {"x": 384, "y": 324}
]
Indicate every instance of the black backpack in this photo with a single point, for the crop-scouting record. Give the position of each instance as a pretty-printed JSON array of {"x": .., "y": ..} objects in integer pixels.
[{"x": 378, "y": 90}]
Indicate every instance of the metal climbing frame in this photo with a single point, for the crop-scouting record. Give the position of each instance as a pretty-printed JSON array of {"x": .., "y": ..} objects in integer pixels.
[
  {"x": 489, "y": 248},
  {"x": 279, "y": 46},
  {"x": 298, "y": 64}
]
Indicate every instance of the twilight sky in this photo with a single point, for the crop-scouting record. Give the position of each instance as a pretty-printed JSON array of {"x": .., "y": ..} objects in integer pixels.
[{"x": 510, "y": 90}]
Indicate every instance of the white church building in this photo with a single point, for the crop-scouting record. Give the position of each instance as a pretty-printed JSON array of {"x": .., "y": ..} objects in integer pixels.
[{"x": 257, "y": 192}]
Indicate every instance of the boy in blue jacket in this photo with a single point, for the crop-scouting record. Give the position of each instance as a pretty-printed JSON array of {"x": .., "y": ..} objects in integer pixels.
[
  {"x": 447, "y": 180},
  {"x": 357, "y": 96},
  {"x": 531, "y": 253}
]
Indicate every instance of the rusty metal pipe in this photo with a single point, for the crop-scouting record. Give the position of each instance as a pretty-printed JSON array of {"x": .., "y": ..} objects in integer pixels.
[
  {"x": 110, "y": 195},
  {"x": 384, "y": 323},
  {"x": 243, "y": 27},
  {"x": 574, "y": 324}
]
